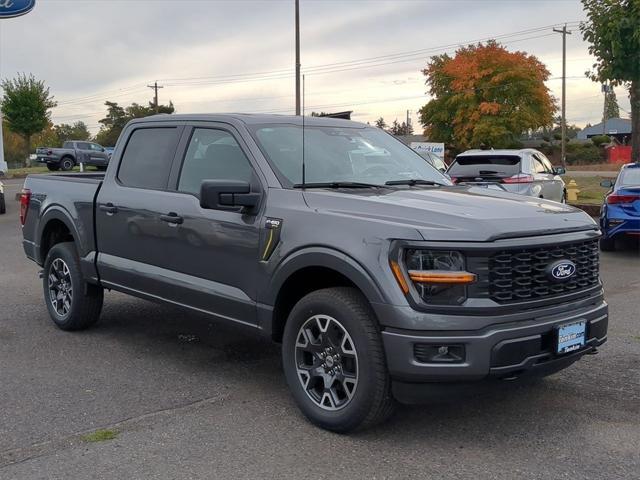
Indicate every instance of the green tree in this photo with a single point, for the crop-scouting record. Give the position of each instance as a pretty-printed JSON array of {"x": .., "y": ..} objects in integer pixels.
[
  {"x": 117, "y": 117},
  {"x": 26, "y": 107},
  {"x": 77, "y": 131},
  {"x": 611, "y": 108},
  {"x": 613, "y": 31},
  {"x": 485, "y": 95},
  {"x": 380, "y": 123}
]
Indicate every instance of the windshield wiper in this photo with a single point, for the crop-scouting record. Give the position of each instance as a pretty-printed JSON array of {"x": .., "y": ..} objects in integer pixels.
[
  {"x": 337, "y": 185},
  {"x": 413, "y": 181}
]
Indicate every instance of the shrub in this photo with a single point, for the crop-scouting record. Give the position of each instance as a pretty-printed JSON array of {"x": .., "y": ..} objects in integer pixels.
[{"x": 600, "y": 140}]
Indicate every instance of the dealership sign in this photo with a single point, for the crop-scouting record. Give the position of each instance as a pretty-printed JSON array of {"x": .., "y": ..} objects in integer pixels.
[
  {"x": 15, "y": 8},
  {"x": 435, "y": 148}
]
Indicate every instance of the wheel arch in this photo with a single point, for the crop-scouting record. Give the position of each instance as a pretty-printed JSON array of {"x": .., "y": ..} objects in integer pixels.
[{"x": 309, "y": 270}]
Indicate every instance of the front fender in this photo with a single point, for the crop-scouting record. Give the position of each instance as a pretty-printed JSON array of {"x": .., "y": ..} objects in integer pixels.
[{"x": 328, "y": 258}]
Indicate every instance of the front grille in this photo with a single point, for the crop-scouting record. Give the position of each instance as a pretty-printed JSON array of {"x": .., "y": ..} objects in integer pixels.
[{"x": 521, "y": 274}]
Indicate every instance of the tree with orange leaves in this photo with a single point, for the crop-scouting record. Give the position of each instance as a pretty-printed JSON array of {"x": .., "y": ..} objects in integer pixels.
[{"x": 485, "y": 95}]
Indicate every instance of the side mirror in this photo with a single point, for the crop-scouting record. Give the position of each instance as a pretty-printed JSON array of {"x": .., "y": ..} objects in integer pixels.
[
  {"x": 228, "y": 195},
  {"x": 606, "y": 183},
  {"x": 559, "y": 170}
]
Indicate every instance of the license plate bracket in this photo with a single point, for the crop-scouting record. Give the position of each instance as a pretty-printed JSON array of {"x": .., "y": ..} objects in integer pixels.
[{"x": 570, "y": 337}]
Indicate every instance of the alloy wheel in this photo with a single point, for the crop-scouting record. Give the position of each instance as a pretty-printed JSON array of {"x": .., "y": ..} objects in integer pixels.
[
  {"x": 60, "y": 287},
  {"x": 326, "y": 362}
]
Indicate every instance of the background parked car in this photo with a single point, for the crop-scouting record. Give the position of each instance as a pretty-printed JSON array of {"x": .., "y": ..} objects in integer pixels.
[
  {"x": 73, "y": 153},
  {"x": 620, "y": 214},
  {"x": 526, "y": 171},
  {"x": 434, "y": 160}
]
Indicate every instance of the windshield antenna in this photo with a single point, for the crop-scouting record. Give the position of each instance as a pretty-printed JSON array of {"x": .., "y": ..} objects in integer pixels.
[{"x": 303, "y": 165}]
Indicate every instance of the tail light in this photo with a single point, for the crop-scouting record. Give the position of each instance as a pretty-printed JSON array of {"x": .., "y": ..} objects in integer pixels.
[
  {"x": 616, "y": 199},
  {"x": 25, "y": 198},
  {"x": 453, "y": 179},
  {"x": 519, "y": 178}
]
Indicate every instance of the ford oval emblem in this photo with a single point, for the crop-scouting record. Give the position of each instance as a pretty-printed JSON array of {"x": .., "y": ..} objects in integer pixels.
[
  {"x": 562, "y": 270},
  {"x": 15, "y": 8}
]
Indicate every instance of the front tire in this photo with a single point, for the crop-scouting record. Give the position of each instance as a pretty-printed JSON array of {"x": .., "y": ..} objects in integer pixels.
[
  {"x": 334, "y": 362},
  {"x": 72, "y": 303}
]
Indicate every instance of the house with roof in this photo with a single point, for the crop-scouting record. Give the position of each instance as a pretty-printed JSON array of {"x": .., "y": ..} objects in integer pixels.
[{"x": 618, "y": 128}]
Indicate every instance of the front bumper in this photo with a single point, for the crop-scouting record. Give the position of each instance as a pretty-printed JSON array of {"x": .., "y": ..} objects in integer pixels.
[{"x": 499, "y": 351}]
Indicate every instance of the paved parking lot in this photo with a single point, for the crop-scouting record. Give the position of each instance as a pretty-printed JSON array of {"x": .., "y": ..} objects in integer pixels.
[{"x": 191, "y": 398}]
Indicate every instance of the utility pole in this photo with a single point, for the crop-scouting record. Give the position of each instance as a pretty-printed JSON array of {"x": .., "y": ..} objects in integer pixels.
[
  {"x": 155, "y": 88},
  {"x": 408, "y": 119},
  {"x": 298, "y": 57},
  {"x": 605, "y": 90},
  {"x": 564, "y": 33}
]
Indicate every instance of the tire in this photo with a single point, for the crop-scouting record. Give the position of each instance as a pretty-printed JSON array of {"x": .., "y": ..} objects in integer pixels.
[
  {"x": 78, "y": 304},
  {"x": 67, "y": 164},
  {"x": 607, "y": 244},
  {"x": 3, "y": 205},
  {"x": 52, "y": 167},
  {"x": 356, "y": 402}
]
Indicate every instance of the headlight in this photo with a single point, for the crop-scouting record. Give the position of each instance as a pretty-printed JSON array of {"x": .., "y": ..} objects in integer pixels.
[{"x": 439, "y": 276}]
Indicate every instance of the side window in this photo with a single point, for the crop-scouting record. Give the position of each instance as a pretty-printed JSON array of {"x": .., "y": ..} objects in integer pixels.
[
  {"x": 546, "y": 163},
  {"x": 148, "y": 156},
  {"x": 538, "y": 167},
  {"x": 213, "y": 155},
  {"x": 95, "y": 148},
  {"x": 82, "y": 146}
]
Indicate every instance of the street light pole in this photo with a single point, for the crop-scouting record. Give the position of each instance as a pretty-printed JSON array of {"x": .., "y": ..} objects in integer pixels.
[
  {"x": 298, "y": 57},
  {"x": 564, "y": 33}
]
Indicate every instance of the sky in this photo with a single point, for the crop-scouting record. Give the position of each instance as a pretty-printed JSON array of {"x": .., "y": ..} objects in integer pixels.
[{"x": 238, "y": 55}]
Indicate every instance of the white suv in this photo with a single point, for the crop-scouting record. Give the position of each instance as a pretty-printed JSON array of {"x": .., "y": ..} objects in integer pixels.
[{"x": 526, "y": 171}]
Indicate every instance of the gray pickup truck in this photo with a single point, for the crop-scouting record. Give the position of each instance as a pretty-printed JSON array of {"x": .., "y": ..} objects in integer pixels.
[
  {"x": 73, "y": 153},
  {"x": 381, "y": 279}
]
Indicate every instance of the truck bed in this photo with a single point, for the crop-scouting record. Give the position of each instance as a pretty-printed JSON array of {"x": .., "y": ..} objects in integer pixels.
[{"x": 66, "y": 197}]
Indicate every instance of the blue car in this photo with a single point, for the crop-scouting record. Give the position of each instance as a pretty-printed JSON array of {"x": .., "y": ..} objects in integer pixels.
[{"x": 620, "y": 213}]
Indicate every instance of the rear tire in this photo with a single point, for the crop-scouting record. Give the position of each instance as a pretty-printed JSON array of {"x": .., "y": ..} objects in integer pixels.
[
  {"x": 607, "y": 244},
  {"x": 3, "y": 205},
  {"x": 73, "y": 304},
  {"x": 67, "y": 164},
  {"x": 53, "y": 168},
  {"x": 331, "y": 338}
]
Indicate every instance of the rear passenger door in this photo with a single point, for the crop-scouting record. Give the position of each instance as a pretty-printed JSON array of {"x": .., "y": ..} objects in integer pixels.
[
  {"x": 83, "y": 152},
  {"x": 130, "y": 233}
]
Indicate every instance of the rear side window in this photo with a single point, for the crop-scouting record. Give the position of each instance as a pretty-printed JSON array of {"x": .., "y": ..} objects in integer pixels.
[
  {"x": 485, "y": 165},
  {"x": 147, "y": 159},
  {"x": 83, "y": 146},
  {"x": 67, "y": 145}
]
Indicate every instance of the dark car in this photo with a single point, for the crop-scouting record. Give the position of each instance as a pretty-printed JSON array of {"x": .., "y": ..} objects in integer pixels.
[
  {"x": 73, "y": 153},
  {"x": 379, "y": 277},
  {"x": 620, "y": 213}
]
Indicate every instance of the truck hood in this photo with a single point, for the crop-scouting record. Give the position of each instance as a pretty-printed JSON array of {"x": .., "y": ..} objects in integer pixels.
[{"x": 459, "y": 213}]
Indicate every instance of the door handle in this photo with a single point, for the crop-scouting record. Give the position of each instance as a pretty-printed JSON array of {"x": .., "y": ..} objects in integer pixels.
[
  {"x": 109, "y": 208},
  {"x": 172, "y": 218}
]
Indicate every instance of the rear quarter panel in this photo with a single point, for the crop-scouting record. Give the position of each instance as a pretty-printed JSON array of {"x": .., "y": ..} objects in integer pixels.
[{"x": 68, "y": 199}]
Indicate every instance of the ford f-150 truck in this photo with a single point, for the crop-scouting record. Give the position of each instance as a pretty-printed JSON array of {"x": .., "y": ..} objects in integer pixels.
[
  {"x": 73, "y": 153},
  {"x": 381, "y": 279}
]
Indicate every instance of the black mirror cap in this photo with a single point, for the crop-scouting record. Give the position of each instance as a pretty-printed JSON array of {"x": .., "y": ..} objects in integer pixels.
[
  {"x": 228, "y": 195},
  {"x": 559, "y": 170},
  {"x": 606, "y": 183}
]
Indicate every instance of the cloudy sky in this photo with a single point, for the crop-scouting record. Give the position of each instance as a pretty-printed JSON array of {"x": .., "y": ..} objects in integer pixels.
[{"x": 238, "y": 55}]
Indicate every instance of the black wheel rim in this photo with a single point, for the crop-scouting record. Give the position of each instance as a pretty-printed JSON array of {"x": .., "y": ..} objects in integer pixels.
[
  {"x": 60, "y": 287},
  {"x": 326, "y": 362}
]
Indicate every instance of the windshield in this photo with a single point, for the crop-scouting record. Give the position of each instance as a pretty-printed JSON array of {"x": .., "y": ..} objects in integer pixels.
[
  {"x": 630, "y": 177},
  {"x": 339, "y": 154},
  {"x": 485, "y": 165}
]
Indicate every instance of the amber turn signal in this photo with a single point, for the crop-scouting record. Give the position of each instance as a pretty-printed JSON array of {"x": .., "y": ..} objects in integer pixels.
[
  {"x": 397, "y": 272},
  {"x": 437, "y": 276}
]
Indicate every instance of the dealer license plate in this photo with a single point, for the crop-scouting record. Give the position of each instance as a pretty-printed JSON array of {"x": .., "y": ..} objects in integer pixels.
[{"x": 571, "y": 337}]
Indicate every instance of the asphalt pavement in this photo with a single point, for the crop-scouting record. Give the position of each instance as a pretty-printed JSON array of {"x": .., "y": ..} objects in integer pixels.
[{"x": 189, "y": 398}]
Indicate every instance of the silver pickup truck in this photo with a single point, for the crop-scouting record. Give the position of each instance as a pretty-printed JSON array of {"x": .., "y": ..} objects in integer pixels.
[{"x": 73, "y": 153}]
